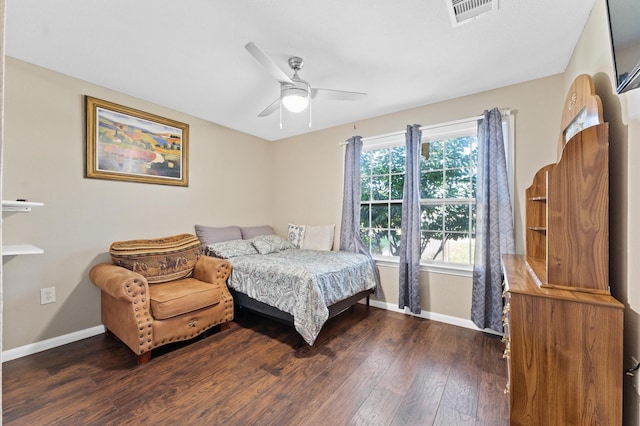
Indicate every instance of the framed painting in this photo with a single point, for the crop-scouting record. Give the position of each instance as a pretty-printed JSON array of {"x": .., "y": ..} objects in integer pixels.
[{"x": 130, "y": 145}]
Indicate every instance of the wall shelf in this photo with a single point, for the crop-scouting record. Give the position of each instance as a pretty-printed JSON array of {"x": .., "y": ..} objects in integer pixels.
[
  {"x": 19, "y": 206},
  {"x": 20, "y": 249},
  {"x": 17, "y": 249}
]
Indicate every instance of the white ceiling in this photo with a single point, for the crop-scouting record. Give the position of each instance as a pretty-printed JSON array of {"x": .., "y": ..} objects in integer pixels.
[{"x": 189, "y": 55}]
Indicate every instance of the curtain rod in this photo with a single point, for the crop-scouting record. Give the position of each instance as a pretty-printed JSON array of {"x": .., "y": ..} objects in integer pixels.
[{"x": 503, "y": 112}]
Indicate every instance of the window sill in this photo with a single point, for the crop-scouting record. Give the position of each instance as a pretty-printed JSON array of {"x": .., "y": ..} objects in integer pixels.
[{"x": 439, "y": 268}]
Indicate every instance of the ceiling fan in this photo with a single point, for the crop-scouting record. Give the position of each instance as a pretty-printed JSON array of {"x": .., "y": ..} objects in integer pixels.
[{"x": 295, "y": 93}]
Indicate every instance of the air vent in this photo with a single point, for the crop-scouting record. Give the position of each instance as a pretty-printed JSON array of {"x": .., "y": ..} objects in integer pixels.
[{"x": 462, "y": 11}]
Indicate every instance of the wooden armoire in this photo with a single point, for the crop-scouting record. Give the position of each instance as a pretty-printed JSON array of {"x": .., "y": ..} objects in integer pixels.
[{"x": 563, "y": 329}]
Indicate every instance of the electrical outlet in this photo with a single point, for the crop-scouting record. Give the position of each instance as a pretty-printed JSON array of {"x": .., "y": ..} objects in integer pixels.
[{"x": 47, "y": 295}]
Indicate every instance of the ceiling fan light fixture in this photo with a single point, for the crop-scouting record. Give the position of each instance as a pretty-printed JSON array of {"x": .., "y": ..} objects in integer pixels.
[
  {"x": 294, "y": 99},
  {"x": 296, "y": 93}
]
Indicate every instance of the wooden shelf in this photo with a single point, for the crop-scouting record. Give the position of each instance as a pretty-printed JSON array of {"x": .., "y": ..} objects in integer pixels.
[{"x": 574, "y": 217}]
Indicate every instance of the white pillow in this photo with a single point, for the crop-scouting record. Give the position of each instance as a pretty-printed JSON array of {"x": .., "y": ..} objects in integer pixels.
[{"x": 318, "y": 237}]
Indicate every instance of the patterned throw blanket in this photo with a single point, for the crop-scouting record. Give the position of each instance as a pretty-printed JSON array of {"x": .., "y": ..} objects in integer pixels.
[{"x": 302, "y": 282}]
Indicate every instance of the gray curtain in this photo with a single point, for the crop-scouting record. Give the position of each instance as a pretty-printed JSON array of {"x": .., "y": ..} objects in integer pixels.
[
  {"x": 494, "y": 223},
  {"x": 350, "y": 226},
  {"x": 409, "y": 278}
]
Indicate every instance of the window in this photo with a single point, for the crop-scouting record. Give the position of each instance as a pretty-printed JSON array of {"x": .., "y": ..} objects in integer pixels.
[{"x": 447, "y": 192}]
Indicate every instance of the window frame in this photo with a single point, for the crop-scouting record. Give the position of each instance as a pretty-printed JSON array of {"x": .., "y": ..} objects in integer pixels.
[{"x": 442, "y": 131}]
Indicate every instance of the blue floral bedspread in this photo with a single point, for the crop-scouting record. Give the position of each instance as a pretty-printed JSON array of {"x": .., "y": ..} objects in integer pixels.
[{"x": 302, "y": 282}]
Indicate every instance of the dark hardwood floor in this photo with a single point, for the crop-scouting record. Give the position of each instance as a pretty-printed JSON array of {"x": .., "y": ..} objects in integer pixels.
[{"x": 372, "y": 367}]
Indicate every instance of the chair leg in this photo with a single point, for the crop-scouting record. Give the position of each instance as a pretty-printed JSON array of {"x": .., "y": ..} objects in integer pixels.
[{"x": 143, "y": 358}]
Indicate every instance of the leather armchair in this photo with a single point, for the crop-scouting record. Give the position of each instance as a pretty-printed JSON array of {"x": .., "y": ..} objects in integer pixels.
[{"x": 162, "y": 291}]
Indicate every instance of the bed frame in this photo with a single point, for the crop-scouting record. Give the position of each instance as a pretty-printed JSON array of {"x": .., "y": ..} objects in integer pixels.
[{"x": 246, "y": 303}]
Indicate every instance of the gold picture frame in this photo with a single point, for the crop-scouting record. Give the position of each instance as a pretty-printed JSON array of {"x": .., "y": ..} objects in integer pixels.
[{"x": 126, "y": 144}]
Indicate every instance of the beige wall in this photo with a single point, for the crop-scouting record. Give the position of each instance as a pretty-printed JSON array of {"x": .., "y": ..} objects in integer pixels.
[
  {"x": 229, "y": 183},
  {"x": 308, "y": 171},
  {"x": 592, "y": 55},
  {"x": 234, "y": 179}
]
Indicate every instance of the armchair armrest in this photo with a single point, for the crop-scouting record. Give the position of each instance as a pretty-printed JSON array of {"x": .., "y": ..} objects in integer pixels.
[
  {"x": 212, "y": 270},
  {"x": 117, "y": 281}
]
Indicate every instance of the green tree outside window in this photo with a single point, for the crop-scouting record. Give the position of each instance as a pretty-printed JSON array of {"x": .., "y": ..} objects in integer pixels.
[{"x": 447, "y": 191}]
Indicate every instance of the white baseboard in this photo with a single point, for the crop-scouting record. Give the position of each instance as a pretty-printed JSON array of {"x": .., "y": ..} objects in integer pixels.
[
  {"x": 54, "y": 342},
  {"x": 33, "y": 348},
  {"x": 447, "y": 319}
]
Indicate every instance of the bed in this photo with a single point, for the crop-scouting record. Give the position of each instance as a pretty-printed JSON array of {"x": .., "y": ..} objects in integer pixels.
[{"x": 301, "y": 287}]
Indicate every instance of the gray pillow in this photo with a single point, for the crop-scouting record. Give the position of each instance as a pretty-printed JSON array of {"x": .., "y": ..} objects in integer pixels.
[
  {"x": 209, "y": 235},
  {"x": 229, "y": 249},
  {"x": 249, "y": 232},
  {"x": 266, "y": 244}
]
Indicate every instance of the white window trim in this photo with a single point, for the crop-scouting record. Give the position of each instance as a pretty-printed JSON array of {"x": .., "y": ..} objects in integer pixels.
[
  {"x": 425, "y": 266},
  {"x": 391, "y": 139},
  {"x": 398, "y": 138},
  {"x": 509, "y": 130}
]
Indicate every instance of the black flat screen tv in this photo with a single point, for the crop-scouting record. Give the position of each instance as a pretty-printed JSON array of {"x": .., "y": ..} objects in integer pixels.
[{"x": 624, "y": 24}]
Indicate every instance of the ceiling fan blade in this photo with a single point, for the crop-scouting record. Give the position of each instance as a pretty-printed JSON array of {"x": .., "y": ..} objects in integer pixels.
[
  {"x": 337, "y": 95},
  {"x": 270, "y": 109},
  {"x": 266, "y": 62}
]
